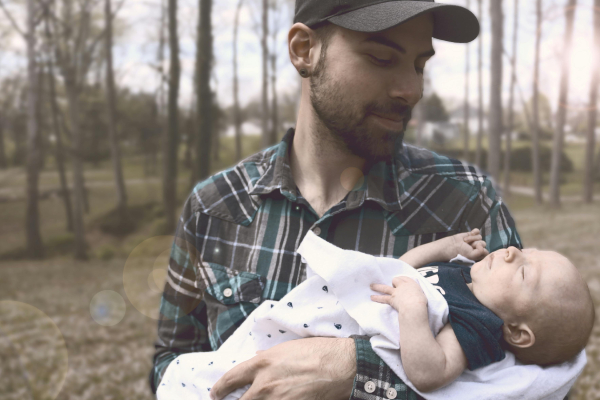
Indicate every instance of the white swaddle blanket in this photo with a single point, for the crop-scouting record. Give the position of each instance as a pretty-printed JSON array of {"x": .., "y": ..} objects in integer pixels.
[{"x": 335, "y": 301}]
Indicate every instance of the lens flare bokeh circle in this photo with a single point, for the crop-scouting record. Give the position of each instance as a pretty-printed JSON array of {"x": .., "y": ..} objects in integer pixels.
[
  {"x": 33, "y": 354},
  {"x": 107, "y": 308},
  {"x": 145, "y": 274}
]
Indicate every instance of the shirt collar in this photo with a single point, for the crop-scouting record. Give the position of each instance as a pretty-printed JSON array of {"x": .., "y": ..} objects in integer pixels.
[{"x": 380, "y": 184}]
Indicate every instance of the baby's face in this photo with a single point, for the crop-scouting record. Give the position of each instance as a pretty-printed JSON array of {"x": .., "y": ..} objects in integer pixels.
[{"x": 513, "y": 283}]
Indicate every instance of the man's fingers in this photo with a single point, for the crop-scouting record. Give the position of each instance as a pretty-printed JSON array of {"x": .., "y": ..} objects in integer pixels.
[
  {"x": 381, "y": 299},
  {"x": 378, "y": 287},
  {"x": 235, "y": 378},
  {"x": 249, "y": 395},
  {"x": 399, "y": 280}
]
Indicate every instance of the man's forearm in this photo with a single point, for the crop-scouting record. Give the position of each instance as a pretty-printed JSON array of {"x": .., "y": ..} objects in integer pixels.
[{"x": 339, "y": 365}]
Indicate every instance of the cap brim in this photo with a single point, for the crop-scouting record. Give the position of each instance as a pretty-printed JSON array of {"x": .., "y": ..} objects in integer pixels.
[{"x": 451, "y": 23}]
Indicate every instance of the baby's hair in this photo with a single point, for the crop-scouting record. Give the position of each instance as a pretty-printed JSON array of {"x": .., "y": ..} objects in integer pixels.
[{"x": 562, "y": 329}]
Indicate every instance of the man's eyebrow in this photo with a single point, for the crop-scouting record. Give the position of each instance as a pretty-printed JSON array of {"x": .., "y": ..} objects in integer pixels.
[{"x": 390, "y": 43}]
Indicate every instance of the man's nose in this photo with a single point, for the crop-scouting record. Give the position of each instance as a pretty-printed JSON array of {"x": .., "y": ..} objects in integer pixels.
[{"x": 407, "y": 85}]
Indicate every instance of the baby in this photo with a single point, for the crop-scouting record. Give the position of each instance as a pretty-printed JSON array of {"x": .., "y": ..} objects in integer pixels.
[
  {"x": 532, "y": 303},
  {"x": 525, "y": 302}
]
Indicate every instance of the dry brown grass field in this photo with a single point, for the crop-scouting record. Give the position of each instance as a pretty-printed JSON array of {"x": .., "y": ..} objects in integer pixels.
[{"x": 95, "y": 361}]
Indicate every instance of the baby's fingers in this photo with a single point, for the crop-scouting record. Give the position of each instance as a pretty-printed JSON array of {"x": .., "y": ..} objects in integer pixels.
[
  {"x": 480, "y": 249},
  {"x": 470, "y": 239}
]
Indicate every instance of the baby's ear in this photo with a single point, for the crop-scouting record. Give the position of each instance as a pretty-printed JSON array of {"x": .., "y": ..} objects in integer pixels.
[{"x": 518, "y": 335}]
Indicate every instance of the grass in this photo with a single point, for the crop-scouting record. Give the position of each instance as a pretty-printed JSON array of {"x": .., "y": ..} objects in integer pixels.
[{"x": 103, "y": 361}]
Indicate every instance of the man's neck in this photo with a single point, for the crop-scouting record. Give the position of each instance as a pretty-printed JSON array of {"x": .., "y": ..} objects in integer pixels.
[{"x": 323, "y": 171}]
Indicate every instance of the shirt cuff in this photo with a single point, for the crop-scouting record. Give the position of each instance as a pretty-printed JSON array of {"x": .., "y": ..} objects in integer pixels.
[
  {"x": 158, "y": 370},
  {"x": 374, "y": 380}
]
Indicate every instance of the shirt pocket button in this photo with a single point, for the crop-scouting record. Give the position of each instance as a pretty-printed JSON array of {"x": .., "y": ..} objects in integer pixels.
[
  {"x": 391, "y": 393},
  {"x": 369, "y": 386}
]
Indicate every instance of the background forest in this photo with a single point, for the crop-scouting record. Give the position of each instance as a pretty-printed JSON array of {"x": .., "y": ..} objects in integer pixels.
[{"x": 112, "y": 110}]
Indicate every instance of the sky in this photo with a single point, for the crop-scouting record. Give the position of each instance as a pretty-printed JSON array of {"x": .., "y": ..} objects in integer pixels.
[{"x": 136, "y": 46}]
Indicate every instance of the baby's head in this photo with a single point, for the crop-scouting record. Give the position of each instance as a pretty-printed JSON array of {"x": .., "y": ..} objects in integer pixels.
[{"x": 544, "y": 302}]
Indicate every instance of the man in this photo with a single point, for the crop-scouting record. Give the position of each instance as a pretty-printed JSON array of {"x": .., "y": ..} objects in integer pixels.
[{"x": 345, "y": 174}]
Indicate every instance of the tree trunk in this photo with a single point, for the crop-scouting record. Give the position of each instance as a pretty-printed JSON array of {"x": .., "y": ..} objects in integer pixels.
[
  {"x": 111, "y": 103},
  {"x": 274, "y": 104},
  {"x": 190, "y": 135},
  {"x": 160, "y": 101},
  {"x": 511, "y": 102},
  {"x": 3, "y": 161},
  {"x": 35, "y": 247},
  {"x": 172, "y": 134},
  {"x": 216, "y": 141},
  {"x": 266, "y": 142},
  {"x": 274, "y": 100},
  {"x": 78, "y": 180},
  {"x": 203, "y": 93},
  {"x": 41, "y": 128},
  {"x": 237, "y": 119},
  {"x": 588, "y": 179},
  {"x": 59, "y": 155},
  {"x": 495, "y": 118},
  {"x": 466, "y": 131},
  {"x": 480, "y": 87},
  {"x": 535, "y": 148},
  {"x": 563, "y": 99}
]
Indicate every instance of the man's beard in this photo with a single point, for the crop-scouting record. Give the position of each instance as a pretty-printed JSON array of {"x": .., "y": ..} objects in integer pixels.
[{"x": 346, "y": 119}]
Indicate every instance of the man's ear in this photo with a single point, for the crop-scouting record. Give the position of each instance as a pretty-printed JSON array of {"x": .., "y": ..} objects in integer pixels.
[
  {"x": 518, "y": 335},
  {"x": 301, "y": 40}
]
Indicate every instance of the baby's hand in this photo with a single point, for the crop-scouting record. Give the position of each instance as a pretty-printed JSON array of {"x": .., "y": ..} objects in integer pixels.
[
  {"x": 405, "y": 295},
  {"x": 469, "y": 245}
]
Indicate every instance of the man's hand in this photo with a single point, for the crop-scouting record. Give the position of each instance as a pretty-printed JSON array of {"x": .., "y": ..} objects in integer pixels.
[
  {"x": 405, "y": 296},
  {"x": 470, "y": 245},
  {"x": 304, "y": 369}
]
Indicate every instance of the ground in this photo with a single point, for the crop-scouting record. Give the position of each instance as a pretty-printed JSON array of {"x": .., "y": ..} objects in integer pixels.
[{"x": 87, "y": 328}]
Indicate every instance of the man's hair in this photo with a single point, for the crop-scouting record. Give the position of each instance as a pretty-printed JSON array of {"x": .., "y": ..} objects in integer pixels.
[
  {"x": 562, "y": 328},
  {"x": 324, "y": 31}
]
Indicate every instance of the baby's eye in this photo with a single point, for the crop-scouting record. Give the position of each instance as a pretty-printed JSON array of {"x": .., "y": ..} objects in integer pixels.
[{"x": 523, "y": 271}]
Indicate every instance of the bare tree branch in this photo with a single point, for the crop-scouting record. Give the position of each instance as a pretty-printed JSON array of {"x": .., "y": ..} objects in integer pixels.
[{"x": 12, "y": 20}]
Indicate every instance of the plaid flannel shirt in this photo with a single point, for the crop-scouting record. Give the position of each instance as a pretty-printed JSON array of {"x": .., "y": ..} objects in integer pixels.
[{"x": 236, "y": 243}]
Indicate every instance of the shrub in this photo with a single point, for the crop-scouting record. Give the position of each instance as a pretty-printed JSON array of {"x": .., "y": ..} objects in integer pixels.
[
  {"x": 520, "y": 159},
  {"x": 121, "y": 223},
  {"x": 106, "y": 253}
]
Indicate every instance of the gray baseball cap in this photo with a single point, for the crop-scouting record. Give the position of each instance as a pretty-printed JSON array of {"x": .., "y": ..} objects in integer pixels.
[{"x": 451, "y": 23}]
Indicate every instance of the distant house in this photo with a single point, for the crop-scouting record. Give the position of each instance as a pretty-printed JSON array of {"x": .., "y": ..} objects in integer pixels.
[
  {"x": 457, "y": 116},
  {"x": 440, "y": 132},
  {"x": 249, "y": 128}
]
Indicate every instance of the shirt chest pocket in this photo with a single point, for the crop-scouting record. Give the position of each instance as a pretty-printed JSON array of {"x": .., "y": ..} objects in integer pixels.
[
  {"x": 230, "y": 287},
  {"x": 230, "y": 296}
]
